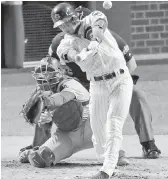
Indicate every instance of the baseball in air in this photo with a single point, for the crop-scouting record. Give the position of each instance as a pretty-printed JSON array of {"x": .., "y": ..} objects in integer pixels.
[{"x": 107, "y": 4}]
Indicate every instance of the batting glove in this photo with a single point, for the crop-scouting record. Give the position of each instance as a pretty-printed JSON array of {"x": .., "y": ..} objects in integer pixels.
[
  {"x": 93, "y": 45},
  {"x": 85, "y": 54}
]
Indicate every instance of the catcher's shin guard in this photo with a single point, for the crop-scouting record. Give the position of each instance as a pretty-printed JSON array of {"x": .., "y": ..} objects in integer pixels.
[{"x": 41, "y": 157}]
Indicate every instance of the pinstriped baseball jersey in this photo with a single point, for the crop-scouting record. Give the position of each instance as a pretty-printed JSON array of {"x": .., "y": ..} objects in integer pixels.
[
  {"x": 109, "y": 57},
  {"x": 109, "y": 99}
]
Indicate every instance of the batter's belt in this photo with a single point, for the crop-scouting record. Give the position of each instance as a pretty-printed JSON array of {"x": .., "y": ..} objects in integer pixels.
[
  {"x": 85, "y": 103},
  {"x": 108, "y": 76}
]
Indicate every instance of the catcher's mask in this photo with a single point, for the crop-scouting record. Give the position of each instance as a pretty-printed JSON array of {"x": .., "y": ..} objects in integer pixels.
[
  {"x": 65, "y": 17},
  {"x": 47, "y": 74}
]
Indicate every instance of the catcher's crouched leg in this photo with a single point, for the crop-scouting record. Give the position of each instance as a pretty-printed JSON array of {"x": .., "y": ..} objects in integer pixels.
[
  {"x": 55, "y": 149},
  {"x": 41, "y": 157}
]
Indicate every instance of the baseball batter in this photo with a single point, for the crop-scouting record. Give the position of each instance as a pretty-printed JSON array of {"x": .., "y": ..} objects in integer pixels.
[
  {"x": 139, "y": 108},
  {"x": 90, "y": 44}
]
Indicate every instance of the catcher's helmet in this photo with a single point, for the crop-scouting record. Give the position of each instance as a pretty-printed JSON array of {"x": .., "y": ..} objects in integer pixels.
[
  {"x": 62, "y": 13},
  {"x": 47, "y": 74}
]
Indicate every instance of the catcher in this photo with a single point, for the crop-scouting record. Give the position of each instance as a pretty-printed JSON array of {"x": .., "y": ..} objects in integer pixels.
[{"x": 59, "y": 100}]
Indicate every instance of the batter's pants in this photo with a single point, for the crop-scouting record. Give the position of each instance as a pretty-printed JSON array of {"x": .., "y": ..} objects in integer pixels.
[{"x": 109, "y": 108}]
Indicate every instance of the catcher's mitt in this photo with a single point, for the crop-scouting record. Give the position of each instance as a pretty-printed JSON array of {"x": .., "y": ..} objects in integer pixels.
[
  {"x": 33, "y": 107},
  {"x": 68, "y": 116}
]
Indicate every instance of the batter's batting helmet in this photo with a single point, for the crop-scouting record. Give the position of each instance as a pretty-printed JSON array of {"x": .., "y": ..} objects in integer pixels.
[{"x": 61, "y": 13}]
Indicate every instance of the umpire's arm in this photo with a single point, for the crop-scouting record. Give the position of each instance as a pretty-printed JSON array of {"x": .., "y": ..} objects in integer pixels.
[{"x": 130, "y": 60}]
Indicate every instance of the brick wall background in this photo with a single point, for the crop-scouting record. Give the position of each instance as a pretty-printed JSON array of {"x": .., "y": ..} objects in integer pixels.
[{"x": 149, "y": 27}]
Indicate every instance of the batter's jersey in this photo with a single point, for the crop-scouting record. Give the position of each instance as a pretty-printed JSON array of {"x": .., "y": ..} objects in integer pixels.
[
  {"x": 107, "y": 60},
  {"x": 77, "y": 72}
]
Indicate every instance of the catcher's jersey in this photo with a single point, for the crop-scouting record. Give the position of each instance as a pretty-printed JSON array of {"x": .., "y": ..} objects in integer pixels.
[
  {"x": 73, "y": 86},
  {"x": 107, "y": 60},
  {"x": 81, "y": 94}
]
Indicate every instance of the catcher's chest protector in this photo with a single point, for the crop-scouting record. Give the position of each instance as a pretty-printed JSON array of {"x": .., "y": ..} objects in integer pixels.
[{"x": 68, "y": 116}]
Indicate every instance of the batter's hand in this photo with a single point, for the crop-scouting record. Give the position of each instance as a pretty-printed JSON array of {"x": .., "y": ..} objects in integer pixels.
[
  {"x": 93, "y": 45},
  {"x": 85, "y": 54}
]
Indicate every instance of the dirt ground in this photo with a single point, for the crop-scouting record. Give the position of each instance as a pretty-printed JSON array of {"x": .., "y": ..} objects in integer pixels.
[
  {"x": 138, "y": 169},
  {"x": 84, "y": 162},
  {"x": 15, "y": 90}
]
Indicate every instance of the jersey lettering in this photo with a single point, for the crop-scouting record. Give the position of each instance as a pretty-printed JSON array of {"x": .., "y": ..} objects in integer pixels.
[{"x": 63, "y": 87}]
